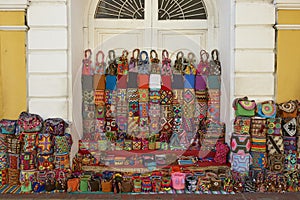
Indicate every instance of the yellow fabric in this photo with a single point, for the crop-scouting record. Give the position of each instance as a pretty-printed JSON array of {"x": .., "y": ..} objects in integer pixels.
[
  {"x": 13, "y": 85},
  {"x": 288, "y": 58}
]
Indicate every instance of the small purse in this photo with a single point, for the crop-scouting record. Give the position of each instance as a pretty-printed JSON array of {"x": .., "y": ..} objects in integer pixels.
[
  {"x": 155, "y": 66},
  {"x": 240, "y": 144},
  {"x": 215, "y": 64},
  {"x": 123, "y": 65},
  {"x": 87, "y": 63},
  {"x": 244, "y": 107},
  {"x": 166, "y": 64},
  {"x": 289, "y": 127},
  {"x": 126, "y": 186},
  {"x": 8, "y": 126},
  {"x": 240, "y": 163},
  {"x": 203, "y": 67},
  {"x": 274, "y": 126},
  {"x": 50, "y": 183},
  {"x": 276, "y": 162},
  {"x": 258, "y": 127},
  {"x": 266, "y": 109},
  {"x": 288, "y": 109},
  {"x": 106, "y": 186},
  {"x": 94, "y": 185},
  {"x": 73, "y": 184},
  {"x": 30, "y": 122},
  {"x": 275, "y": 145}
]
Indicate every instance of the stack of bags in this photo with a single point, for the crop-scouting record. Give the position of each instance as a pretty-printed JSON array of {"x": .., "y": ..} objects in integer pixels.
[{"x": 9, "y": 153}]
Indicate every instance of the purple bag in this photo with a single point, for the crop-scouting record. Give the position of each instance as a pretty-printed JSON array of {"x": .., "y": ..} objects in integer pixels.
[{"x": 200, "y": 82}]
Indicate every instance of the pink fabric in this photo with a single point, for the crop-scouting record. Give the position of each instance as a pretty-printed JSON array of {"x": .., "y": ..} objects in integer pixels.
[{"x": 221, "y": 154}]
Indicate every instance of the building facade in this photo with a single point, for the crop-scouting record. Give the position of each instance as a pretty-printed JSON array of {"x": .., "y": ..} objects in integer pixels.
[{"x": 42, "y": 45}]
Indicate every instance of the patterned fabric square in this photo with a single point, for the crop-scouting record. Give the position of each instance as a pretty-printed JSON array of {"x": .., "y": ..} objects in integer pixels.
[
  {"x": 88, "y": 107},
  {"x": 29, "y": 142},
  {"x": 3, "y": 177},
  {"x": 111, "y": 125},
  {"x": 177, "y": 125},
  {"x": 88, "y": 126},
  {"x": 258, "y": 145},
  {"x": 62, "y": 144},
  {"x": 88, "y": 114},
  {"x": 259, "y": 160},
  {"x": 44, "y": 143},
  {"x": 13, "y": 144},
  {"x": 166, "y": 124},
  {"x": 133, "y": 124},
  {"x": 242, "y": 125},
  {"x": 154, "y": 110},
  {"x": 27, "y": 161},
  {"x": 166, "y": 96},
  {"x": 102, "y": 145},
  {"x": 177, "y": 110},
  {"x": 154, "y": 125},
  {"x": 178, "y": 96},
  {"x": 144, "y": 95},
  {"x": 122, "y": 109},
  {"x": 3, "y": 143},
  {"x": 45, "y": 162},
  {"x": 62, "y": 161},
  {"x": 258, "y": 128},
  {"x": 99, "y": 97},
  {"x": 122, "y": 123},
  {"x": 290, "y": 144},
  {"x": 154, "y": 96},
  {"x": 291, "y": 162},
  {"x": 275, "y": 145},
  {"x": 144, "y": 109},
  {"x": 189, "y": 103},
  {"x": 276, "y": 162},
  {"x": 122, "y": 81},
  {"x": 290, "y": 127},
  {"x": 133, "y": 95},
  {"x": 122, "y": 96},
  {"x": 134, "y": 109},
  {"x": 88, "y": 96},
  {"x": 100, "y": 112},
  {"x": 100, "y": 125},
  {"x": 110, "y": 110},
  {"x": 166, "y": 111},
  {"x": 136, "y": 145},
  {"x": 144, "y": 124},
  {"x": 213, "y": 111},
  {"x": 214, "y": 96},
  {"x": 240, "y": 144},
  {"x": 274, "y": 126},
  {"x": 110, "y": 97},
  {"x": 189, "y": 96},
  {"x": 298, "y": 121},
  {"x": 188, "y": 124},
  {"x": 166, "y": 81},
  {"x": 143, "y": 81},
  {"x": 13, "y": 161},
  {"x": 3, "y": 161},
  {"x": 240, "y": 163}
]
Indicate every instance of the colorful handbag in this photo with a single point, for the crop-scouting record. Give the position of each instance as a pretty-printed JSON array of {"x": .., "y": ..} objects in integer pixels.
[
  {"x": 244, "y": 107},
  {"x": 288, "y": 109},
  {"x": 222, "y": 151},
  {"x": 258, "y": 128},
  {"x": 83, "y": 185},
  {"x": 28, "y": 141},
  {"x": 178, "y": 180},
  {"x": 166, "y": 64},
  {"x": 27, "y": 161},
  {"x": 30, "y": 122},
  {"x": 266, "y": 109},
  {"x": 274, "y": 126},
  {"x": 87, "y": 63},
  {"x": 50, "y": 183},
  {"x": 54, "y": 126},
  {"x": 38, "y": 187},
  {"x": 45, "y": 162},
  {"x": 13, "y": 176},
  {"x": 62, "y": 144},
  {"x": 242, "y": 125},
  {"x": 289, "y": 127},
  {"x": 73, "y": 184},
  {"x": 240, "y": 144},
  {"x": 213, "y": 104},
  {"x": 290, "y": 144},
  {"x": 44, "y": 143},
  {"x": 258, "y": 144},
  {"x": 106, "y": 186},
  {"x": 62, "y": 161},
  {"x": 240, "y": 163},
  {"x": 30, "y": 175},
  {"x": 94, "y": 185},
  {"x": 276, "y": 162},
  {"x": 8, "y": 126},
  {"x": 275, "y": 145}
]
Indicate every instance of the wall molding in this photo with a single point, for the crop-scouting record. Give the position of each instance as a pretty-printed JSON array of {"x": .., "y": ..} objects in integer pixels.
[
  {"x": 13, "y": 5},
  {"x": 287, "y": 27},
  {"x": 287, "y": 4},
  {"x": 13, "y": 28}
]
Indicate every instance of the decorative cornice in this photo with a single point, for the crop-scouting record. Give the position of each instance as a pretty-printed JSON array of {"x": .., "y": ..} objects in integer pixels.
[
  {"x": 13, "y": 5},
  {"x": 287, "y": 27},
  {"x": 287, "y": 4}
]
